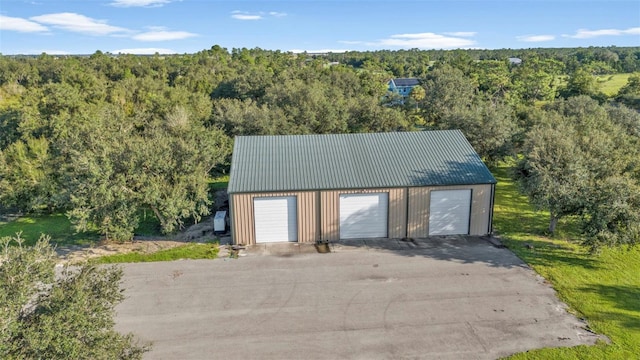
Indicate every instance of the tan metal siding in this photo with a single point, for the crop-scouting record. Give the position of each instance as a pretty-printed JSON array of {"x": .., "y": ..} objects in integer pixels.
[
  {"x": 319, "y": 212},
  {"x": 480, "y": 210},
  {"x": 397, "y": 212},
  {"x": 307, "y": 217},
  {"x": 243, "y": 220},
  {"x": 330, "y": 212},
  {"x": 418, "y": 225},
  {"x": 330, "y": 216}
]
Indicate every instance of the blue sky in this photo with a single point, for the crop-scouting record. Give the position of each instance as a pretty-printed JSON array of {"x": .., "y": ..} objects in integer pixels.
[{"x": 188, "y": 26}]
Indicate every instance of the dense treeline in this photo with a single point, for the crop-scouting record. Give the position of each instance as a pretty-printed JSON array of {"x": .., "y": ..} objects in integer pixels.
[
  {"x": 103, "y": 137},
  {"x": 412, "y": 63}
]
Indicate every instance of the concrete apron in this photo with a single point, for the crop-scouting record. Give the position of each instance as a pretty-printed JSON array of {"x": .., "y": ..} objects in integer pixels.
[{"x": 285, "y": 249}]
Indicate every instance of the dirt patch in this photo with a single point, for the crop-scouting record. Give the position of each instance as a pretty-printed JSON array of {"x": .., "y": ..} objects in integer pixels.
[
  {"x": 200, "y": 232},
  {"x": 74, "y": 254}
]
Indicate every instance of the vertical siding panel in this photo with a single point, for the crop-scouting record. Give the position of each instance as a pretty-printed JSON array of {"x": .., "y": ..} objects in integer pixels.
[
  {"x": 243, "y": 218},
  {"x": 330, "y": 215},
  {"x": 300, "y": 212},
  {"x": 250, "y": 224},
  {"x": 480, "y": 210},
  {"x": 418, "y": 224},
  {"x": 307, "y": 217},
  {"x": 397, "y": 213},
  {"x": 311, "y": 216},
  {"x": 238, "y": 218},
  {"x": 233, "y": 218},
  {"x": 303, "y": 222},
  {"x": 411, "y": 212}
]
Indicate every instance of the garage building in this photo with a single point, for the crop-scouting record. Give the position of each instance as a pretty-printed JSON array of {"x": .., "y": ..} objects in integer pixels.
[{"x": 307, "y": 188}]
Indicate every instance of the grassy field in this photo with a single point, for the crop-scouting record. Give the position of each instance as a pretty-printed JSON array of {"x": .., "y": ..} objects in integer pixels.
[
  {"x": 57, "y": 226},
  {"x": 611, "y": 84},
  {"x": 189, "y": 251},
  {"x": 604, "y": 288},
  {"x": 607, "y": 84}
]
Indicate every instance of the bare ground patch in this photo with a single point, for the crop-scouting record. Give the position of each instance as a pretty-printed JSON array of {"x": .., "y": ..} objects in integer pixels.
[{"x": 200, "y": 232}]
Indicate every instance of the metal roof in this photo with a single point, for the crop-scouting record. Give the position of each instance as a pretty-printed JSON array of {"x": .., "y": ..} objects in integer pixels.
[
  {"x": 406, "y": 81},
  {"x": 354, "y": 161}
]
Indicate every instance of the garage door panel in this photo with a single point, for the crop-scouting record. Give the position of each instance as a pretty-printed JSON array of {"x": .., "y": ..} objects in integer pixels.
[
  {"x": 275, "y": 219},
  {"x": 363, "y": 215},
  {"x": 449, "y": 212}
]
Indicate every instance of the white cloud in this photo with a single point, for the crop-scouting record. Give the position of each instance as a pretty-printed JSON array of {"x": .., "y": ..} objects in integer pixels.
[
  {"x": 421, "y": 41},
  {"x": 587, "y": 34},
  {"x": 163, "y": 35},
  {"x": 535, "y": 38},
  {"x": 462, "y": 33},
  {"x": 78, "y": 23},
  {"x": 243, "y": 15},
  {"x": 143, "y": 51},
  {"x": 20, "y": 25},
  {"x": 139, "y": 3}
]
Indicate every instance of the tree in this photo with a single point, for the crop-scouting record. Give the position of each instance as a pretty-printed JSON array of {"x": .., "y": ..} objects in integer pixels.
[
  {"x": 629, "y": 94},
  {"x": 116, "y": 170},
  {"x": 493, "y": 78},
  {"x": 581, "y": 82},
  {"x": 416, "y": 96},
  {"x": 489, "y": 127},
  {"x": 536, "y": 79},
  {"x": 27, "y": 179},
  {"x": 65, "y": 316},
  {"x": 246, "y": 117},
  {"x": 552, "y": 172},
  {"x": 581, "y": 159},
  {"x": 612, "y": 217},
  {"x": 446, "y": 90}
]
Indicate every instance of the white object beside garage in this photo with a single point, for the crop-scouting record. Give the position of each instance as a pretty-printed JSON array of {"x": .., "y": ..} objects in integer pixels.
[
  {"x": 275, "y": 219},
  {"x": 363, "y": 215},
  {"x": 449, "y": 212},
  {"x": 220, "y": 222}
]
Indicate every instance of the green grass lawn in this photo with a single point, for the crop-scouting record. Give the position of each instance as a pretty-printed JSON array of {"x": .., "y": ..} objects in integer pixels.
[
  {"x": 604, "y": 288},
  {"x": 57, "y": 226},
  {"x": 219, "y": 183},
  {"x": 607, "y": 84},
  {"x": 611, "y": 84},
  {"x": 189, "y": 251}
]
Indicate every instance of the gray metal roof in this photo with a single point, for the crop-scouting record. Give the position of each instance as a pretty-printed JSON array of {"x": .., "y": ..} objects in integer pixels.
[
  {"x": 354, "y": 161},
  {"x": 406, "y": 81}
]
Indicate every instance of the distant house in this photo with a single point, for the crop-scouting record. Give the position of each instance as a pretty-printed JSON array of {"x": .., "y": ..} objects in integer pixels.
[
  {"x": 515, "y": 61},
  {"x": 403, "y": 86}
]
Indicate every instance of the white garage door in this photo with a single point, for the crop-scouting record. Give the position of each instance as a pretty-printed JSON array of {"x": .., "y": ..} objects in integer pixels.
[
  {"x": 363, "y": 215},
  {"x": 275, "y": 219},
  {"x": 449, "y": 212}
]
